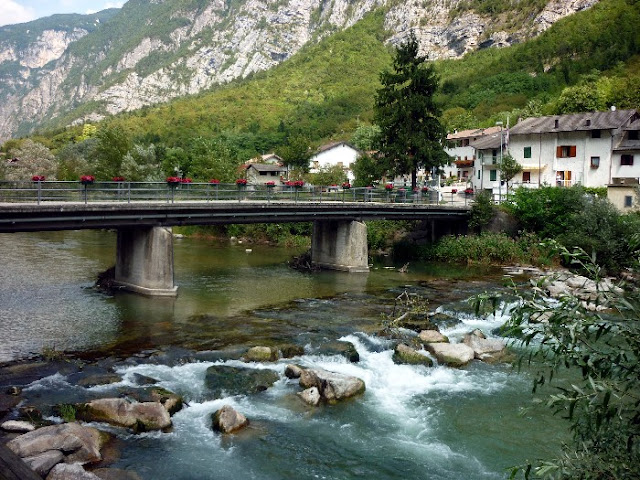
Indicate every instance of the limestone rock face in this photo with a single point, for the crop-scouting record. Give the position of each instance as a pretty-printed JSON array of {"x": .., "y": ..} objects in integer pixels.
[
  {"x": 141, "y": 416},
  {"x": 227, "y": 420},
  {"x": 215, "y": 44},
  {"x": 407, "y": 355},
  {"x": 80, "y": 444},
  {"x": 452, "y": 354},
  {"x": 332, "y": 386}
]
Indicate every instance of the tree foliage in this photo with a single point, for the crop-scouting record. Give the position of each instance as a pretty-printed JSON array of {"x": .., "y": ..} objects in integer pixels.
[
  {"x": 113, "y": 144},
  {"x": 412, "y": 136},
  {"x": 33, "y": 158},
  {"x": 509, "y": 168},
  {"x": 602, "y": 403}
]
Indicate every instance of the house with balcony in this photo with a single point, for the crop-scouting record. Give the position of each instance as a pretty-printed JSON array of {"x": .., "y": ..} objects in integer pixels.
[
  {"x": 624, "y": 188},
  {"x": 460, "y": 148},
  {"x": 489, "y": 149},
  {"x": 565, "y": 150},
  {"x": 261, "y": 173}
]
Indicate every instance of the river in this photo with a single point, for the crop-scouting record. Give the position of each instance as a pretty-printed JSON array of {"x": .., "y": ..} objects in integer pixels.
[{"x": 413, "y": 422}]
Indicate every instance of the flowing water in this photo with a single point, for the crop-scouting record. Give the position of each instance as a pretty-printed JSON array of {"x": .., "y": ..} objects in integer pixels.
[{"x": 413, "y": 422}]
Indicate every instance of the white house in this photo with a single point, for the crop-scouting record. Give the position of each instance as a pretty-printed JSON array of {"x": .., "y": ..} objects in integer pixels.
[
  {"x": 334, "y": 154},
  {"x": 460, "y": 148},
  {"x": 623, "y": 189},
  {"x": 565, "y": 150},
  {"x": 485, "y": 175}
]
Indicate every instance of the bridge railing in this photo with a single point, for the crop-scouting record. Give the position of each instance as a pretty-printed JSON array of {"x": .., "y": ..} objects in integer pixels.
[{"x": 133, "y": 192}]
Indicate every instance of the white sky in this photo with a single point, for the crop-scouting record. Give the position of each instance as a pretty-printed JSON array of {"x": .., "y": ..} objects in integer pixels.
[{"x": 20, "y": 11}]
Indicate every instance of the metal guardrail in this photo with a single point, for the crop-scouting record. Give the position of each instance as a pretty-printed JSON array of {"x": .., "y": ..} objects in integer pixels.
[{"x": 41, "y": 192}]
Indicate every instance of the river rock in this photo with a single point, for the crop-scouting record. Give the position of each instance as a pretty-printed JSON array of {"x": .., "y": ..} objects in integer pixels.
[
  {"x": 311, "y": 396},
  {"x": 332, "y": 386},
  {"x": 340, "y": 347},
  {"x": 14, "y": 391},
  {"x": 99, "y": 379},
  {"x": 293, "y": 371},
  {"x": 227, "y": 420},
  {"x": 70, "y": 471},
  {"x": 43, "y": 463},
  {"x": 404, "y": 354},
  {"x": 432, "y": 336},
  {"x": 18, "y": 426},
  {"x": 224, "y": 380},
  {"x": 115, "y": 474},
  {"x": 7, "y": 402},
  {"x": 139, "y": 416},
  {"x": 143, "y": 379},
  {"x": 452, "y": 354},
  {"x": 172, "y": 402},
  {"x": 80, "y": 443},
  {"x": 290, "y": 350},
  {"x": 261, "y": 354},
  {"x": 483, "y": 348}
]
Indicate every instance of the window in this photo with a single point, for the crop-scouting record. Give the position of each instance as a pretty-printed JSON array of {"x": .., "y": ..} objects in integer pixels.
[
  {"x": 527, "y": 152},
  {"x": 596, "y": 133},
  {"x": 628, "y": 201},
  {"x": 493, "y": 175},
  {"x": 465, "y": 142},
  {"x": 565, "y": 151},
  {"x": 526, "y": 177},
  {"x": 626, "y": 160},
  {"x": 633, "y": 134},
  {"x": 563, "y": 178},
  {"x": 595, "y": 162},
  {"x": 494, "y": 155},
  {"x": 479, "y": 174}
]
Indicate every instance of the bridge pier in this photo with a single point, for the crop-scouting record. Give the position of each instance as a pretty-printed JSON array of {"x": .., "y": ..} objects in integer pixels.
[
  {"x": 340, "y": 245},
  {"x": 144, "y": 261}
]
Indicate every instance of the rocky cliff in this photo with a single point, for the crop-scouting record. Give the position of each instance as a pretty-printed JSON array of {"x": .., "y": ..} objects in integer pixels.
[{"x": 153, "y": 50}]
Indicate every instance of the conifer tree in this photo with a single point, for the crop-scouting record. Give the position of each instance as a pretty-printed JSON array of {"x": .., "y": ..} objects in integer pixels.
[{"x": 412, "y": 136}]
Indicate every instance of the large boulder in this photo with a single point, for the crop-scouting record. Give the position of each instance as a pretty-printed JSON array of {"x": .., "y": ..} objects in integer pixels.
[
  {"x": 44, "y": 462},
  {"x": 290, "y": 350},
  {"x": 484, "y": 348},
  {"x": 261, "y": 354},
  {"x": 332, "y": 386},
  {"x": 224, "y": 380},
  {"x": 80, "y": 444},
  {"x": 227, "y": 420},
  {"x": 404, "y": 354},
  {"x": 293, "y": 371},
  {"x": 452, "y": 354},
  {"x": 432, "y": 336},
  {"x": 139, "y": 416},
  {"x": 74, "y": 471}
]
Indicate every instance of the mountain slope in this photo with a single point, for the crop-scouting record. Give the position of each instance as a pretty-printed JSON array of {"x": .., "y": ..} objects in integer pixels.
[{"x": 151, "y": 51}]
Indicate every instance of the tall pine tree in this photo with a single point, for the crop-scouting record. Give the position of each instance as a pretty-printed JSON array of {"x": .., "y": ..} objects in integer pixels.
[{"x": 412, "y": 136}]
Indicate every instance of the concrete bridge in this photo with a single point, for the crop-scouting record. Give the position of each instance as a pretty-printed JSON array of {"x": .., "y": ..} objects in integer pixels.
[{"x": 144, "y": 258}]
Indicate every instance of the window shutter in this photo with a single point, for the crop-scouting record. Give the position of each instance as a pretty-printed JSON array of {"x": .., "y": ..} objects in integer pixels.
[
  {"x": 558, "y": 152},
  {"x": 572, "y": 151}
]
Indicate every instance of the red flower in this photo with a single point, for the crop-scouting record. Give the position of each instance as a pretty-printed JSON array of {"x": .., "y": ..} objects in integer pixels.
[
  {"x": 298, "y": 184},
  {"x": 186, "y": 180},
  {"x": 173, "y": 180},
  {"x": 214, "y": 181},
  {"x": 388, "y": 186},
  {"x": 38, "y": 178},
  {"x": 469, "y": 191},
  {"x": 425, "y": 189},
  {"x": 346, "y": 185},
  {"x": 270, "y": 184},
  {"x": 455, "y": 190},
  {"x": 87, "y": 179},
  {"x": 241, "y": 181},
  {"x": 118, "y": 179}
]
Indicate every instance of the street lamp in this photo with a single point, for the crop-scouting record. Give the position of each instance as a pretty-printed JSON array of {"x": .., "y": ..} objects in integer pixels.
[{"x": 499, "y": 171}]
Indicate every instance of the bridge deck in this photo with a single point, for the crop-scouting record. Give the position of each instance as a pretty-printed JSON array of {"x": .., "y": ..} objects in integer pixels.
[{"x": 23, "y": 217}]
